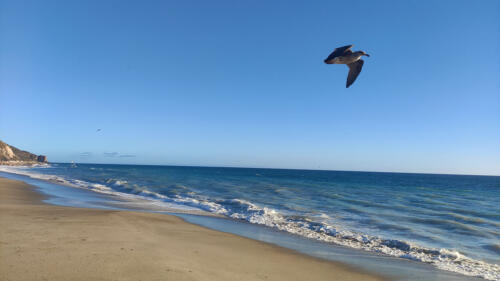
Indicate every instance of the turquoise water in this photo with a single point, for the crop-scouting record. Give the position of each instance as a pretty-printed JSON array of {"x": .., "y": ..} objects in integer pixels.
[{"x": 449, "y": 221}]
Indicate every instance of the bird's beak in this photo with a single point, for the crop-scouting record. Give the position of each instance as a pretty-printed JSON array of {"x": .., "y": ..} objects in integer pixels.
[{"x": 367, "y": 55}]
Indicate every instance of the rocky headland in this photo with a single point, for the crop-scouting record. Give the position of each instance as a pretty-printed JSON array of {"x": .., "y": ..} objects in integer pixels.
[{"x": 13, "y": 156}]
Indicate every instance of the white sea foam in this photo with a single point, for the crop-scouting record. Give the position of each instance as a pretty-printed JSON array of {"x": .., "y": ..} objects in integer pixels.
[
  {"x": 100, "y": 188},
  {"x": 441, "y": 258},
  {"x": 445, "y": 259},
  {"x": 117, "y": 182}
]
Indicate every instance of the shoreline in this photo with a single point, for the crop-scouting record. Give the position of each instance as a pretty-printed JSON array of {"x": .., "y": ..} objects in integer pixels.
[
  {"x": 67, "y": 243},
  {"x": 62, "y": 192}
]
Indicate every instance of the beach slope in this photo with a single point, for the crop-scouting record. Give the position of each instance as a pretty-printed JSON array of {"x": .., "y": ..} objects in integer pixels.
[{"x": 45, "y": 242}]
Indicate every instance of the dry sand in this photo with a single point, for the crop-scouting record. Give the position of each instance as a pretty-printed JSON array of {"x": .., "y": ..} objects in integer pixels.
[{"x": 45, "y": 242}]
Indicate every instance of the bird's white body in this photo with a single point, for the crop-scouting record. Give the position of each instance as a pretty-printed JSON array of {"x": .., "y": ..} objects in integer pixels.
[{"x": 346, "y": 59}]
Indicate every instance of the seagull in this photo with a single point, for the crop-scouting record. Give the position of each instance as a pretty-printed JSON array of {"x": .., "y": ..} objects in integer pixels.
[{"x": 344, "y": 55}]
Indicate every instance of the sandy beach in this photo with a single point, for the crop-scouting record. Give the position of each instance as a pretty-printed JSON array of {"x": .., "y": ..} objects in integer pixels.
[{"x": 45, "y": 242}]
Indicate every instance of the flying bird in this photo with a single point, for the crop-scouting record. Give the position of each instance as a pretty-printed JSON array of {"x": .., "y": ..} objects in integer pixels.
[
  {"x": 98, "y": 130},
  {"x": 344, "y": 55}
]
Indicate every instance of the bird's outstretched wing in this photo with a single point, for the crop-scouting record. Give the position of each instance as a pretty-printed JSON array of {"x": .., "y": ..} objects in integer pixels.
[
  {"x": 354, "y": 70},
  {"x": 340, "y": 51}
]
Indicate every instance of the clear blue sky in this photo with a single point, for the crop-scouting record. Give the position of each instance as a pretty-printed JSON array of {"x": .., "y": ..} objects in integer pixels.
[{"x": 243, "y": 83}]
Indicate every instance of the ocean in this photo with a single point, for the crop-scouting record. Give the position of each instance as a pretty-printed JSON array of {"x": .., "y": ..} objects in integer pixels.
[{"x": 451, "y": 222}]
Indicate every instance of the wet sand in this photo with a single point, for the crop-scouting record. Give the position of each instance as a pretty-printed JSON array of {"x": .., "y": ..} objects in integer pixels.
[{"x": 39, "y": 241}]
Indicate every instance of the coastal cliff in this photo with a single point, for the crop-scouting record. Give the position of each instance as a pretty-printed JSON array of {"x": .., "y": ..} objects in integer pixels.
[{"x": 10, "y": 155}]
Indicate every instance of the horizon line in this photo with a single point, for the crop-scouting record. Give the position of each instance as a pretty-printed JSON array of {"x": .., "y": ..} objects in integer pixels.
[{"x": 271, "y": 168}]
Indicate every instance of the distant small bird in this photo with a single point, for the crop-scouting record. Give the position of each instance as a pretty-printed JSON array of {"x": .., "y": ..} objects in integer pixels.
[
  {"x": 344, "y": 55},
  {"x": 98, "y": 130}
]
